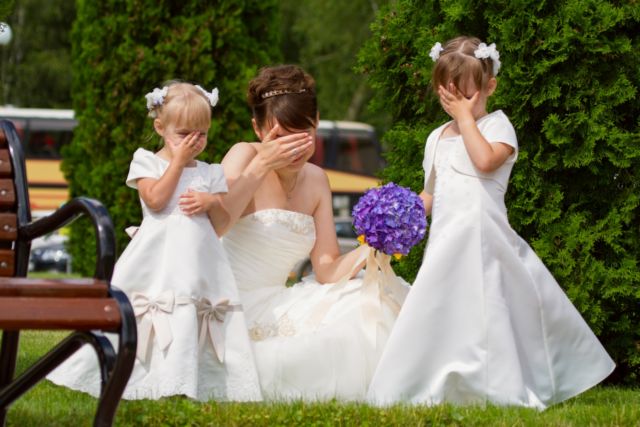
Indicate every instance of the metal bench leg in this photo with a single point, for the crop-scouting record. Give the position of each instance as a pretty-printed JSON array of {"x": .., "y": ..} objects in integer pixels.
[
  {"x": 54, "y": 358},
  {"x": 119, "y": 376},
  {"x": 8, "y": 357}
]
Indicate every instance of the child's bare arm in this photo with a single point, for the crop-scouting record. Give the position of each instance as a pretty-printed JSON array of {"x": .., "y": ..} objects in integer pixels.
[
  {"x": 486, "y": 157},
  {"x": 427, "y": 199},
  {"x": 156, "y": 193}
]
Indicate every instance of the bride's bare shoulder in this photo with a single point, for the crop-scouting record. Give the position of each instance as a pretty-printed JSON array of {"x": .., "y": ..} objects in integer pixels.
[
  {"x": 241, "y": 150},
  {"x": 316, "y": 174}
]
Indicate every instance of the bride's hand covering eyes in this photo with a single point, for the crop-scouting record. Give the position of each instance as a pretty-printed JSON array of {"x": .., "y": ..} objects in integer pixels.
[{"x": 278, "y": 152}]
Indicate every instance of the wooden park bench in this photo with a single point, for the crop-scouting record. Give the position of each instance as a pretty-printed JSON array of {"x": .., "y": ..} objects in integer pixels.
[{"x": 87, "y": 307}]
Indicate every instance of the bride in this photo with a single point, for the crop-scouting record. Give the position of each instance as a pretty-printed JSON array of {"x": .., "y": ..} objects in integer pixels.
[{"x": 321, "y": 338}]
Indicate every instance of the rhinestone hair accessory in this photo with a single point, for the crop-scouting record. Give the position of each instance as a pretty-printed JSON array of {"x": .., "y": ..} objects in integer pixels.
[
  {"x": 279, "y": 92},
  {"x": 156, "y": 97}
]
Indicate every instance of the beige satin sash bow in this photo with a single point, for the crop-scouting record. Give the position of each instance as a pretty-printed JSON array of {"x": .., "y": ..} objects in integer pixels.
[
  {"x": 380, "y": 285},
  {"x": 213, "y": 317},
  {"x": 152, "y": 318}
]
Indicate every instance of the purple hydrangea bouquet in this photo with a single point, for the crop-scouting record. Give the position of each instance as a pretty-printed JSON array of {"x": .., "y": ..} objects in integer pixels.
[{"x": 390, "y": 219}]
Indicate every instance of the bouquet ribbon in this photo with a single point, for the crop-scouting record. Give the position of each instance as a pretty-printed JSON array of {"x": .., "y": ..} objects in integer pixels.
[{"x": 380, "y": 286}]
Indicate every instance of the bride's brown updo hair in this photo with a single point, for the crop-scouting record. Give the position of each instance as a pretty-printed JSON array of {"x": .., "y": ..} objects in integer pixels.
[{"x": 285, "y": 93}]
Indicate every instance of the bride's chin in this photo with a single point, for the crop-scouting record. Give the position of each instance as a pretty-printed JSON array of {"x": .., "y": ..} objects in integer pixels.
[{"x": 296, "y": 165}]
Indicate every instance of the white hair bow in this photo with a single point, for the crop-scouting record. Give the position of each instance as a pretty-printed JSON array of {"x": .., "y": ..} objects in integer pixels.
[
  {"x": 435, "y": 51},
  {"x": 155, "y": 98},
  {"x": 483, "y": 51},
  {"x": 212, "y": 97}
]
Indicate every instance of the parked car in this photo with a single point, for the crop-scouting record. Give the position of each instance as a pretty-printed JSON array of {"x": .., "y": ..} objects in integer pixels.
[
  {"x": 347, "y": 240},
  {"x": 49, "y": 253}
]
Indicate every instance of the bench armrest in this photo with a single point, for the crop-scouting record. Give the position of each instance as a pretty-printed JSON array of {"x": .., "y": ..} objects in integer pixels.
[{"x": 103, "y": 226}]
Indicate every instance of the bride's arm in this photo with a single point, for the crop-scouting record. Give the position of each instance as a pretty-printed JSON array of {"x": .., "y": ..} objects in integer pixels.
[
  {"x": 244, "y": 171},
  {"x": 328, "y": 265},
  {"x": 245, "y": 166}
]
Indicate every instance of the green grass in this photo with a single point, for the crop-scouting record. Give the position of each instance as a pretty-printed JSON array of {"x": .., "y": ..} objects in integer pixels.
[
  {"x": 50, "y": 405},
  {"x": 51, "y": 275}
]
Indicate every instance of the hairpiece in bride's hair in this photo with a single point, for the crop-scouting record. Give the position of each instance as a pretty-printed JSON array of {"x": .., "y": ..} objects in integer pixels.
[{"x": 280, "y": 92}]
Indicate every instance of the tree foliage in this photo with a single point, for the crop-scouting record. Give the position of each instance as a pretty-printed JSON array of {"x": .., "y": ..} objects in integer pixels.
[
  {"x": 569, "y": 84},
  {"x": 5, "y": 9},
  {"x": 35, "y": 68},
  {"x": 122, "y": 49},
  {"x": 324, "y": 36}
]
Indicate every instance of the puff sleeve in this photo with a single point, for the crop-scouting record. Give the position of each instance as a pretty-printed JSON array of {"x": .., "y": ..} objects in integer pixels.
[
  {"x": 498, "y": 128},
  {"x": 145, "y": 164},
  {"x": 217, "y": 180}
]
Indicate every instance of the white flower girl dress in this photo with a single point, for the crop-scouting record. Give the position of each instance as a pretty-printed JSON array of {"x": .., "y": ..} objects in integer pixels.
[
  {"x": 192, "y": 334},
  {"x": 484, "y": 321}
]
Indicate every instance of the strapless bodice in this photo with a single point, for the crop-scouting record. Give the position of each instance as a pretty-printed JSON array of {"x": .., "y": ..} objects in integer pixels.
[{"x": 264, "y": 246}]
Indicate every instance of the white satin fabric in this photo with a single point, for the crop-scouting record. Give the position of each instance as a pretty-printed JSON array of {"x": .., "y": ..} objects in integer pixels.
[
  {"x": 484, "y": 321},
  {"x": 192, "y": 335},
  {"x": 310, "y": 341}
]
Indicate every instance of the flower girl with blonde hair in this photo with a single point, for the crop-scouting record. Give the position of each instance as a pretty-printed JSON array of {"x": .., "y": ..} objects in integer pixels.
[{"x": 192, "y": 336}]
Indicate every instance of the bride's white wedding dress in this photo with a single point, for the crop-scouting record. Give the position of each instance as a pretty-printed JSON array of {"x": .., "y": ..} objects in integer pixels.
[{"x": 310, "y": 341}]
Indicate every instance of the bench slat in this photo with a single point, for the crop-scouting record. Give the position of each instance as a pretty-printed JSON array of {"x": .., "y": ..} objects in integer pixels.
[
  {"x": 7, "y": 193},
  {"x": 8, "y": 227},
  {"x": 18, "y": 313},
  {"x": 7, "y": 262},
  {"x": 68, "y": 288},
  {"x": 5, "y": 163}
]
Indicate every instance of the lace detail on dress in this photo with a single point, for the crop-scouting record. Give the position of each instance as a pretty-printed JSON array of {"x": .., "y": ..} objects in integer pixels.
[
  {"x": 284, "y": 327},
  {"x": 295, "y": 221},
  {"x": 243, "y": 385}
]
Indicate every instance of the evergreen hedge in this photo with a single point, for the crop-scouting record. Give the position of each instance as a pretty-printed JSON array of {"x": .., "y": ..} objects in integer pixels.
[
  {"x": 122, "y": 49},
  {"x": 569, "y": 84}
]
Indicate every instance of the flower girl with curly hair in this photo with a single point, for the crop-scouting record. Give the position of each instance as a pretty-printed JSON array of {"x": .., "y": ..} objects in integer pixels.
[
  {"x": 192, "y": 336},
  {"x": 484, "y": 322}
]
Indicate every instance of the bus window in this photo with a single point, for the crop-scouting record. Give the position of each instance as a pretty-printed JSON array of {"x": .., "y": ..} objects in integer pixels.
[
  {"x": 318, "y": 157},
  {"x": 358, "y": 153},
  {"x": 349, "y": 147},
  {"x": 47, "y": 137}
]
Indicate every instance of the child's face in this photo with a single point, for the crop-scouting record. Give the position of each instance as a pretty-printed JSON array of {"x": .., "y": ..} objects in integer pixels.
[
  {"x": 468, "y": 88},
  {"x": 174, "y": 136}
]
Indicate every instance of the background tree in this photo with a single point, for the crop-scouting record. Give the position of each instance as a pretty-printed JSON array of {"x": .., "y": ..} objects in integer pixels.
[
  {"x": 122, "y": 49},
  {"x": 5, "y": 9},
  {"x": 35, "y": 67},
  {"x": 569, "y": 83},
  {"x": 324, "y": 36}
]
